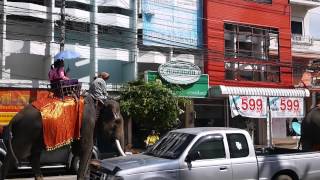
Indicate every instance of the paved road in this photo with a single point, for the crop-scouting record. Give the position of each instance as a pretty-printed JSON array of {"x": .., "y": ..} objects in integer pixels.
[{"x": 66, "y": 177}]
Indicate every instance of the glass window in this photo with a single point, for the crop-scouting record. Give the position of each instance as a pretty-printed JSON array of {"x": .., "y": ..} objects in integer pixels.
[
  {"x": 296, "y": 27},
  {"x": 247, "y": 44},
  {"x": 171, "y": 145},
  {"x": 75, "y": 5},
  {"x": 263, "y": 1},
  {"x": 210, "y": 148},
  {"x": 238, "y": 145},
  {"x": 39, "y": 2}
]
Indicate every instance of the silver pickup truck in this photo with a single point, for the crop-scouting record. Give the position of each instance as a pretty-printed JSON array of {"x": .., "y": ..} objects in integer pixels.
[{"x": 209, "y": 153}]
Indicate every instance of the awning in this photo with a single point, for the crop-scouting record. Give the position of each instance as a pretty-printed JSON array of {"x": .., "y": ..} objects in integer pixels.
[{"x": 253, "y": 91}]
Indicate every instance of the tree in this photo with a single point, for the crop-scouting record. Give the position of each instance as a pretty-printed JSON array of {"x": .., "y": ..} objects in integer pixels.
[{"x": 152, "y": 104}]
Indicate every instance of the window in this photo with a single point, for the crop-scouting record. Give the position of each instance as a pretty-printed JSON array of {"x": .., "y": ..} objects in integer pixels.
[
  {"x": 210, "y": 148},
  {"x": 39, "y": 2},
  {"x": 75, "y": 5},
  {"x": 243, "y": 41},
  {"x": 238, "y": 145},
  {"x": 263, "y": 1},
  {"x": 296, "y": 27},
  {"x": 171, "y": 146},
  {"x": 116, "y": 10},
  {"x": 245, "y": 44}
]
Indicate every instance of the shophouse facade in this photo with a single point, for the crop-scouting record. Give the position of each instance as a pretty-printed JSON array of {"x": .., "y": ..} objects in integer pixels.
[
  {"x": 305, "y": 47},
  {"x": 249, "y": 54}
]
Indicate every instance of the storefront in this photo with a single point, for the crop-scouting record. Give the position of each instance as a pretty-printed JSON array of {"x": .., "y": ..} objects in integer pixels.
[{"x": 262, "y": 111}]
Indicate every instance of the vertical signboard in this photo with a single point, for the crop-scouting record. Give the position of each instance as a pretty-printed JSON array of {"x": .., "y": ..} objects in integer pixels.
[{"x": 169, "y": 23}]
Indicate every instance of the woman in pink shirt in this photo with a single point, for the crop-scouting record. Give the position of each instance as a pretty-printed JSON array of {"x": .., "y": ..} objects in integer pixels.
[{"x": 57, "y": 72}]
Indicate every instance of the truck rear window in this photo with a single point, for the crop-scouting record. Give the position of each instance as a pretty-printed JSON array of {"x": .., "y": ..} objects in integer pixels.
[{"x": 238, "y": 145}]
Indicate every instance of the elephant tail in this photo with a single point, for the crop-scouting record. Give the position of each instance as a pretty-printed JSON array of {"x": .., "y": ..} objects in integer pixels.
[{"x": 16, "y": 161}]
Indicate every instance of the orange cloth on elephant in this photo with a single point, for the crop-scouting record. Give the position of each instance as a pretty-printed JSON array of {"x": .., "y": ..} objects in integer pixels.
[{"x": 61, "y": 120}]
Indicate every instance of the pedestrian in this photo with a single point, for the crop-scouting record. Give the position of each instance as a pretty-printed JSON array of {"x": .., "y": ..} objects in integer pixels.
[
  {"x": 98, "y": 88},
  {"x": 152, "y": 138}
]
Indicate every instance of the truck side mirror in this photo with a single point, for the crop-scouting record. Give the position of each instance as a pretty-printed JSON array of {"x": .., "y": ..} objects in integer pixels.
[{"x": 192, "y": 156}]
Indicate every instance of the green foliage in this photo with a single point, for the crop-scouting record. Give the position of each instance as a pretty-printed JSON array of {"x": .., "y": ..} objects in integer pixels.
[{"x": 152, "y": 104}]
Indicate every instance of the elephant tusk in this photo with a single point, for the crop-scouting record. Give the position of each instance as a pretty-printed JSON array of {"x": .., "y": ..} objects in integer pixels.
[
  {"x": 3, "y": 152},
  {"x": 119, "y": 148},
  {"x": 116, "y": 115}
]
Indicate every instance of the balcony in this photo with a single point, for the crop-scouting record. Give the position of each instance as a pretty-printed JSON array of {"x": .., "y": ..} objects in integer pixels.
[
  {"x": 301, "y": 40},
  {"x": 26, "y": 9},
  {"x": 308, "y": 3},
  {"x": 305, "y": 46}
]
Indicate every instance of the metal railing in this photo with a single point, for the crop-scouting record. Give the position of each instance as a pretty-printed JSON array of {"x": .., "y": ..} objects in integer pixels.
[{"x": 300, "y": 39}]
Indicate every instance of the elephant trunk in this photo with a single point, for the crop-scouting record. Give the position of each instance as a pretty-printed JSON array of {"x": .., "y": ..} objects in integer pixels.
[
  {"x": 119, "y": 148},
  {"x": 10, "y": 144}
]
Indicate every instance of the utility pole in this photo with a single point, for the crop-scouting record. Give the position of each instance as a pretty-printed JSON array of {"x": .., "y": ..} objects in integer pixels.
[{"x": 62, "y": 24}]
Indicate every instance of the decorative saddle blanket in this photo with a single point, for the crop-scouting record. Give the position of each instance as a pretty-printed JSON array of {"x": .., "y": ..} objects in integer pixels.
[{"x": 61, "y": 120}]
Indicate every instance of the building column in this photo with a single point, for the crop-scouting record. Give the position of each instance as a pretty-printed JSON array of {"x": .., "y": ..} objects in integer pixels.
[
  {"x": 93, "y": 40},
  {"x": 189, "y": 115},
  {"x": 4, "y": 73},
  {"x": 134, "y": 26}
]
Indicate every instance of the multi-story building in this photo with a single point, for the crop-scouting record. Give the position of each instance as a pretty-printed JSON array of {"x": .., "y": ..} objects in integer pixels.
[
  {"x": 169, "y": 31},
  {"x": 305, "y": 48},
  {"x": 249, "y": 55},
  {"x": 101, "y": 31}
]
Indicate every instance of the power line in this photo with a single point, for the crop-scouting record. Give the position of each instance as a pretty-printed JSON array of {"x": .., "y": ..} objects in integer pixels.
[{"x": 222, "y": 53}]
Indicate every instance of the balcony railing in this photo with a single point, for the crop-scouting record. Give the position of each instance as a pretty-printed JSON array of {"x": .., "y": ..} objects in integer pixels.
[{"x": 299, "y": 39}]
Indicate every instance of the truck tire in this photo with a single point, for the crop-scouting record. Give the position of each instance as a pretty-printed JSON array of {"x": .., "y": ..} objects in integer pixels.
[
  {"x": 75, "y": 163},
  {"x": 283, "y": 177}
]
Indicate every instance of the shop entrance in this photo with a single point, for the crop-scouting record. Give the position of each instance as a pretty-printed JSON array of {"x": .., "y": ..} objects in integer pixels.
[{"x": 210, "y": 112}]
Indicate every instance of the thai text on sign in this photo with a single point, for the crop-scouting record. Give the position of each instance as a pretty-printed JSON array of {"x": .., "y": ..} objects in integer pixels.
[
  {"x": 286, "y": 107},
  {"x": 248, "y": 106}
]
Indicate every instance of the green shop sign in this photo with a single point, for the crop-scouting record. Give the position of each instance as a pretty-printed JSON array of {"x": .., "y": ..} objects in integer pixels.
[{"x": 198, "y": 89}]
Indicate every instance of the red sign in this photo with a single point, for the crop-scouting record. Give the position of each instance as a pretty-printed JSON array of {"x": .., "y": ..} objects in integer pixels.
[{"x": 12, "y": 100}]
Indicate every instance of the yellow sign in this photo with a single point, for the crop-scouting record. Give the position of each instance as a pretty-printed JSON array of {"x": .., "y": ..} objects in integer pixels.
[{"x": 5, "y": 117}]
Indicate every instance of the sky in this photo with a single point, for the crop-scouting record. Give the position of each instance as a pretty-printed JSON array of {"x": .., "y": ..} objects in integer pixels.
[{"x": 315, "y": 23}]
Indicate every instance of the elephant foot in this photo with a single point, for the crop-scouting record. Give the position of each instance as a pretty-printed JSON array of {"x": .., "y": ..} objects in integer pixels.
[{"x": 38, "y": 177}]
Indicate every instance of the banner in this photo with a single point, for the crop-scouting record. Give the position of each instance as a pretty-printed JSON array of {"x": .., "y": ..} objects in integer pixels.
[
  {"x": 13, "y": 100},
  {"x": 172, "y": 23},
  {"x": 286, "y": 107},
  {"x": 248, "y": 106}
]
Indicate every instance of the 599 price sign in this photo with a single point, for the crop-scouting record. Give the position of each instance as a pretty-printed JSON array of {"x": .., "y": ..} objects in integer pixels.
[
  {"x": 284, "y": 107},
  {"x": 248, "y": 106}
]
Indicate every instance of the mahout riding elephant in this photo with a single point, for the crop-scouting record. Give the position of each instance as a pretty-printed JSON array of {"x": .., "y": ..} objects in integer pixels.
[
  {"x": 310, "y": 130},
  {"x": 25, "y": 132}
]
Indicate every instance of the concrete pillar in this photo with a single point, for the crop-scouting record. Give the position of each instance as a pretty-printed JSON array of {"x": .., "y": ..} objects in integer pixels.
[
  {"x": 3, "y": 73},
  {"x": 93, "y": 40},
  {"x": 189, "y": 116}
]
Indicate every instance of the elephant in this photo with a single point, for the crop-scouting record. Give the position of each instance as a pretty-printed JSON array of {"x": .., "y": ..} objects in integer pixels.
[
  {"x": 310, "y": 130},
  {"x": 26, "y": 135}
]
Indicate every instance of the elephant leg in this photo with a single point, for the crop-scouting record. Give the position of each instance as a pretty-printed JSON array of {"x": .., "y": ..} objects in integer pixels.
[
  {"x": 35, "y": 160},
  {"x": 35, "y": 163},
  {"x": 8, "y": 165},
  {"x": 85, "y": 157}
]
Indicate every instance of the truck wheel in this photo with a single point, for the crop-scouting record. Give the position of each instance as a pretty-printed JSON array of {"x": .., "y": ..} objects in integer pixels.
[
  {"x": 75, "y": 163},
  {"x": 283, "y": 177}
]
